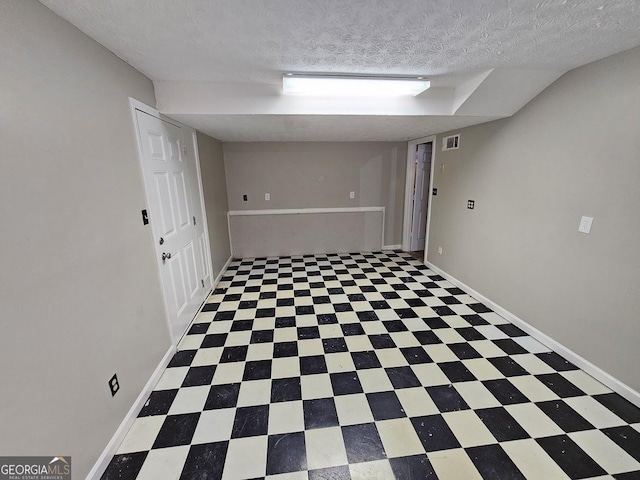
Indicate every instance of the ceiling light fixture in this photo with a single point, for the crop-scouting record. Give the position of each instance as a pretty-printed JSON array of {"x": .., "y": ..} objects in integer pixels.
[{"x": 352, "y": 85}]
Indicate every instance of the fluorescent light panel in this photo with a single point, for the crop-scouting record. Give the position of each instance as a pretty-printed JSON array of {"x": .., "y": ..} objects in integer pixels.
[{"x": 352, "y": 86}]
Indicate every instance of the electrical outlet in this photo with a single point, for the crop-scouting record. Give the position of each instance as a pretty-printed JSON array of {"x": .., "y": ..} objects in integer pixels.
[
  {"x": 440, "y": 250},
  {"x": 585, "y": 225},
  {"x": 435, "y": 192},
  {"x": 244, "y": 198},
  {"x": 471, "y": 204},
  {"x": 267, "y": 196},
  {"x": 352, "y": 195},
  {"x": 114, "y": 386},
  {"x": 145, "y": 217}
]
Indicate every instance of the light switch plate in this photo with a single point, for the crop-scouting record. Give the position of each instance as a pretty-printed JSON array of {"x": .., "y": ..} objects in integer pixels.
[
  {"x": 267, "y": 196},
  {"x": 352, "y": 195},
  {"x": 585, "y": 225}
]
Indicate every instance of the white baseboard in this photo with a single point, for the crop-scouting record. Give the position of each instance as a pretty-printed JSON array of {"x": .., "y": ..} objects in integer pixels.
[
  {"x": 222, "y": 272},
  {"x": 596, "y": 372},
  {"x": 392, "y": 247},
  {"x": 103, "y": 460}
]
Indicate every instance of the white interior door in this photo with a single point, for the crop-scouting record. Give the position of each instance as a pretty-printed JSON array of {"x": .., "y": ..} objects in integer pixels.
[
  {"x": 422, "y": 167},
  {"x": 175, "y": 214}
]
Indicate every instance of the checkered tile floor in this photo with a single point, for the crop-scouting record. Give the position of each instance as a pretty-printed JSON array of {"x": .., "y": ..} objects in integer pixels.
[{"x": 370, "y": 366}]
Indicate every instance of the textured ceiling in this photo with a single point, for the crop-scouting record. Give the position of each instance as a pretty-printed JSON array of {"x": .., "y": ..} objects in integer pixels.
[
  {"x": 255, "y": 41},
  {"x": 337, "y": 128}
]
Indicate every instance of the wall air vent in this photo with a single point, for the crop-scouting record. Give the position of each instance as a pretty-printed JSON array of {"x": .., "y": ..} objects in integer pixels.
[{"x": 451, "y": 143}]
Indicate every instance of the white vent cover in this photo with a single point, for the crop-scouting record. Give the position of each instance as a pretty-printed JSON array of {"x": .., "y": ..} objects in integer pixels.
[{"x": 451, "y": 143}]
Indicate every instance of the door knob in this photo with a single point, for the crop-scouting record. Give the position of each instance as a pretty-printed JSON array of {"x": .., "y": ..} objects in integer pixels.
[{"x": 165, "y": 256}]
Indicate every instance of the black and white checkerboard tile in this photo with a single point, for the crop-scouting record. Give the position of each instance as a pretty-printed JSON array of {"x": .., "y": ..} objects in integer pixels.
[{"x": 370, "y": 366}]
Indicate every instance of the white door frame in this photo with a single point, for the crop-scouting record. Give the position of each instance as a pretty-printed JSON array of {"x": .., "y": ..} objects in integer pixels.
[
  {"x": 135, "y": 105},
  {"x": 408, "y": 192}
]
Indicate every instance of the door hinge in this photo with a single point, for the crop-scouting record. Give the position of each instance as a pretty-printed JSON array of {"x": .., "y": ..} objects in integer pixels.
[
  {"x": 202, "y": 281},
  {"x": 194, "y": 220},
  {"x": 184, "y": 148}
]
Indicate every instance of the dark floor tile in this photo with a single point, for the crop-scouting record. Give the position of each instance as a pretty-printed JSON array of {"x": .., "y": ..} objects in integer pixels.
[
  {"x": 364, "y": 360},
  {"x": 457, "y": 372},
  {"x": 556, "y": 362},
  {"x": 182, "y": 358},
  {"x": 427, "y": 337},
  {"x": 320, "y": 413},
  {"x": 628, "y": 476},
  {"x": 560, "y": 385},
  {"x": 250, "y": 421},
  {"x": 470, "y": 334},
  {"x": 435, "y": 323},
  {"x": 402, "y": 377},
  {"x": 505, "y": 392},
  {"x": 306, "y": 333},
  {"x": 312, "y": 365},
  {"x": 620, "y": 406},
  {"x": 158, "y": 403},
  {"x": 327, "y": 318},
  {"x": 286, "y": 453},
  {"x": 511, "y": 330},
  {"x": 501, "y": 425},
  {"x": 199, "y": 376},
  {"x": 198, "y": 329},
  {"x": 285, "y": 389},
  {"x": 570, "y": 457},
  {"x": 434, "y": 433},
  {"x": 382, "y": 340},
  {"x": 363, "y": 443},
  {"x": 205, "y": 461},
  {"x": 214, "y": 340},
  {"x": 331, "y": 473},
  {"x": 222, "y": 396},
  {"x": 349, "y": 329},
  {"x": 464, "y": 351},
  {"x": 385, "y": 405},
  {"x": 262, "y": 336},
  {"x": 224, "y": 315},
  {"x": 564, "y": 416},
  {"x": 475, "y": 320},
  {"x": 443, "y": 311},
  {"x": 285, "y": 322},
  {"x": 265, "y": 312},
  {"x": 125, "y": 466},
  {"x": 305, "y": 310},
  {"x": 285, "y": 349},
  {"x": 345, "y": 383},
  {"x": 626, "y": 438},
  {"x": 258, "y": 370},
  {"x": 402, "y": 313},
  {"x": 234, "y": 354},
  {"x": 510, "y": 347},
  {"x": 368, "y": 316},
  {"x": 415, "y": 355},
  {"x": 379, "y": 304},
  {"x": 334, "y": 345},
  {"x": 447, "y": 398},
  {"x": 177, "y": 430},
  {"x": 241, "y": 325},
  {"x": 508, "y": 367},
  {"x": 493, "y": 463},
  {"x": 413, "y": 468},
  {"x": 343, "y": 307},
  {"x": 479, "y": 308}
]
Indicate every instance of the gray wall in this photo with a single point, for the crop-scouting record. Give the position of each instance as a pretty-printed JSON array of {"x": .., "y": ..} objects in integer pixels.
[
  {"x": 319, "y": 174},
  {"x": 572, "y": 151},
  {"x": 300, "y": 234},
  {"x": 79, "y": 287},
  {"x": 215, "y": 198}
]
